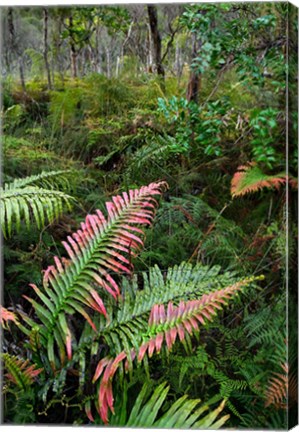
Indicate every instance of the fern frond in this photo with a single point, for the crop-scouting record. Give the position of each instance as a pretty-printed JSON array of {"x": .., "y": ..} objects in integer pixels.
[
  {"x": 94, "y": 251},
  {"x": 19, "y": 371},
  {"x": 185, "y": 413},
  {"x": 181, "y": 282},
  {"x": 6, "y": 315},
  {"x": 158, "y": 150},
  {"x": 250, "y": 178},
  {"x": 276, "y": 392},
  {"x": 163, "y": 326},
  {"x": 46, "y": 179},
  {"x": 18, "y": 204},
  {"x": 167, "y": 325},
  {"x": 189, "y": 228}
]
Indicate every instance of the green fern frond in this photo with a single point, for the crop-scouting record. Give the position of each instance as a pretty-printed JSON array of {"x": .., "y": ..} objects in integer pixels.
[
  {"x": 17, "y": 204},
  {"x": 46, "y": 179},
  {"x": 19, "y": 371},
  {"x": 185, "y": 413},
  {"x": 188, "y": 227},
  {"x": 158, "y": 150}
]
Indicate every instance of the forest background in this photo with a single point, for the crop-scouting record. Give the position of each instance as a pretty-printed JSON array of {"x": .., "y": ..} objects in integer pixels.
[{"x": 101, "y": 100}]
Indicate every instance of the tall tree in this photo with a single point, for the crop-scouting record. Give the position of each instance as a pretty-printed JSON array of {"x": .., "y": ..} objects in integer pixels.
[
  {"x": 195, "y": 75},
  {"x": 156, "y": 40},
  {"x": 45, "y": 53},
  {"x": 14, "y": 47},
  {"x": 73, "y": 52}
]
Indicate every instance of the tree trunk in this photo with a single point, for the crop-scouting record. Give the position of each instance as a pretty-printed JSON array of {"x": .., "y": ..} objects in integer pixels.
[
  {"x": 14, "y": 49},
  {"x": 149, "y": 54},
  {"x": 108, "y": 60},
  {"x": 74, "y": 53},
  {"x": 195, "y": 77},
  {"x": 22, "y": 75},
  {"x": 118, "y": 65},
  {"x": 47, "y": 66},
  {"x": 178, "y": 61},
  {"x": 156, "y": 40},
  {"x": 98, "y": 54},
  {"x": 59, "y": 59}
]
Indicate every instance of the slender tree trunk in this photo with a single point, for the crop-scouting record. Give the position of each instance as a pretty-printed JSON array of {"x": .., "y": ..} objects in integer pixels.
[
  {"x": 195, "y": 77},
  {"x": 45, "y": 11},
  {"x": 156, "y": 40},
  {"x": 117, "y": 68},
  {"x": 59, "y": 60},
  {"x": 108, "y": 60},
  {"x": 178, "y": 61},
  {"x": 7, "y": 52},
  {"x": 74, "y": 61},
  {"x": 14, "y": 49},
  {"x": 149, "y": 58},
  {"x": 22, "y": 75},
  {"x": 120, "y": 58},
  {"x": 98, "y": 54},
  {"x": 74, "y": 54}
]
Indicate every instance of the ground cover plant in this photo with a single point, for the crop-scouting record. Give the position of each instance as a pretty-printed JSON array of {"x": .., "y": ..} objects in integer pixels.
[{"x": 148, "y": 213}]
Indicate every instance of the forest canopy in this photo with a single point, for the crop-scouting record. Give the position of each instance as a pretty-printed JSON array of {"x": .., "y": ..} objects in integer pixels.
[{"x": 148, "y": 211}]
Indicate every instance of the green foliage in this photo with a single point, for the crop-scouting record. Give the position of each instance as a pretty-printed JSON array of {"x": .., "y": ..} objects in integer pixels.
[
  {"x": 13, "y": 117},
  {"x": 189, "y": 228},
  {"x": 24, "y": 157},
  {"x": 150, "y": 340},
  {"x": 265, "y": 136},
  {"x": 23, "y": 200},
  {"x": 183, "y": 282},
  {"x": 69, "y": 286},
  {"x": 198, "y": 128},
  {"x": 37, "y": 62},
  {"x": 184, "y": 413}
]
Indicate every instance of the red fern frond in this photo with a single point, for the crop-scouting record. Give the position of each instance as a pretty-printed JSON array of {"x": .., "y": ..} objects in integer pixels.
[
  {"x": 164, "y": 326},
  {"x": 282, "y": 390},
  {"x": 276, "y": 392},
  {"x": 249, "y": 178}
]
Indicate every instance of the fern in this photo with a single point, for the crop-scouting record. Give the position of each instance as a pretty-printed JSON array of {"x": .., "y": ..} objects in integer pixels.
[
  {"x": 130, "y": 321},
  {"x": 27, "y": 202},
  {"x": 250, "y": 178},
  {"x": 19, "y": 371},
  {"x": 26, "y": 198},
  {"x": 117, "y": 335},
  {"x": 158, "y": 150},
  {"x": 6, "y": 315},
  {"x": 163, "y": 326},
  {"x": 276, "y": 392},
  {"x": 184, "y": 413},
  {"x": 190, "y": 229},
  {"x": 94, "y": 251},
  {"x": 46, "y": 179}
]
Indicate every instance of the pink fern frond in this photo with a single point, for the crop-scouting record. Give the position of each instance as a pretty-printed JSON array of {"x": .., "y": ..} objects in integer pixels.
[
  {"x": 6, "y": 315},
  {"x": 99, "y": 250}
]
